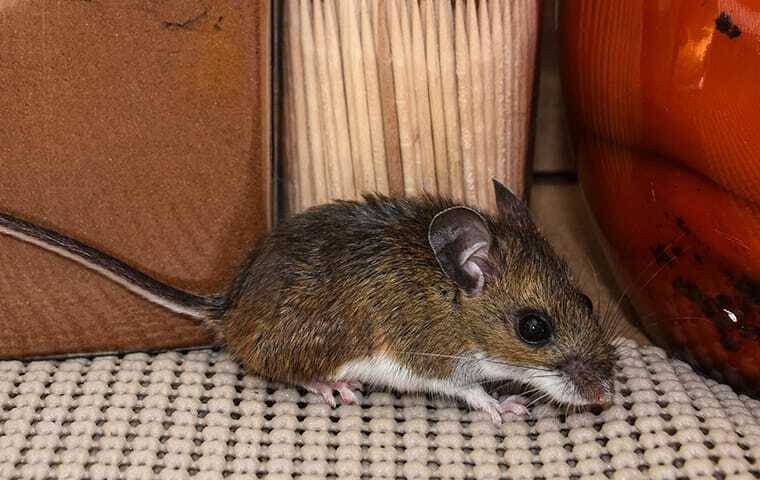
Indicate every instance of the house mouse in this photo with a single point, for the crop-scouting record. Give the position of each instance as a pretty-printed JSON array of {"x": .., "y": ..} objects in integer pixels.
[{"x": 416, "y": 294}]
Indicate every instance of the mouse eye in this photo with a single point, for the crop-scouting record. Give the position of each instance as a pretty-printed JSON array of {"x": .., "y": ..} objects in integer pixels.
[
  {"x": 534, "y": 328},
  {"x": 587, "y": 303}
]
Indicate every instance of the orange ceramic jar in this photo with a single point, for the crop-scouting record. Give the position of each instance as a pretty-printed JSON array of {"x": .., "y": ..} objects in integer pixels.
[{"x": 664, "y": 107}]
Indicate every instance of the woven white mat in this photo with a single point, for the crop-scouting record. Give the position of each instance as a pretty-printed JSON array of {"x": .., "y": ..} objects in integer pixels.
[{"x": 195, "y": 415}]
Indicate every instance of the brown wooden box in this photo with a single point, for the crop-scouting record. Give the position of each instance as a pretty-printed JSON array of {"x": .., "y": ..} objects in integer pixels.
[{"x": 143, "y": 129}]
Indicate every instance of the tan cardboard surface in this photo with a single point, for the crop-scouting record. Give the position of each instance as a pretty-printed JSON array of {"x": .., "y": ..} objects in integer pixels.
[{"x": 141, "y": 128}]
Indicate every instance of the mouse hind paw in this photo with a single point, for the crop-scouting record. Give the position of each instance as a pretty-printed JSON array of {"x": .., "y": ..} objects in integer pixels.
[{"x": 346, "y": 391}]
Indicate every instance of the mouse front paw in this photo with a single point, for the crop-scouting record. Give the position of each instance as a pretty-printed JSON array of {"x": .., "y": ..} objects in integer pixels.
[
  {"x": 346, "y": 391},
  {"x": 478, "y": 399},
  {"x": 516, "y": 405}
]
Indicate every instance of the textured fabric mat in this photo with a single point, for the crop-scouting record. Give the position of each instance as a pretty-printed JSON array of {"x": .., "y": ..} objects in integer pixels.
[{"x": 194, "y": 415}]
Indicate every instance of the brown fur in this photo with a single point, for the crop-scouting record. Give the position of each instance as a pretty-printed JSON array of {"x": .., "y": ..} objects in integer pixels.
[{"x": 345, "y": 280}]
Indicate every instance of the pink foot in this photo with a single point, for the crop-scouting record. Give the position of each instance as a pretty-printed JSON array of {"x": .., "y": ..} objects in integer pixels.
[
  {"x": 515, "y": 405},
  {"x": 344, "y": 389}
]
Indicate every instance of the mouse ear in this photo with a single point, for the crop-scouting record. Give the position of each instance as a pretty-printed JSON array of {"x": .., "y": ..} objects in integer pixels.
[
  {"x": 511, "y": 209},
  {"x": 461, "y": 241}
]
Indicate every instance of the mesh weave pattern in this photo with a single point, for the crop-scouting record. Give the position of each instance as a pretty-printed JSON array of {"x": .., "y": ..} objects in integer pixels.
[{"x": 195, "y": 415}]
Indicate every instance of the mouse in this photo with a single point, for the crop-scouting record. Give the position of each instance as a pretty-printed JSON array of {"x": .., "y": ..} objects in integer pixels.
[{"x": 416, "y": 294}]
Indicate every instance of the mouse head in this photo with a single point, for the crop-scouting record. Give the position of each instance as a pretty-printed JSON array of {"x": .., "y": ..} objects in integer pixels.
[{"x": 530, "y": 321}]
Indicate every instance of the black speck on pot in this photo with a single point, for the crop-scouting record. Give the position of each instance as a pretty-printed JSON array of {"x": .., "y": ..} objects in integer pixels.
[
  {"x": 724, "y": 25},
  {"x": 750, "y": 288},
  {"x": 681, "y": 224},
  {"x": 723, "y": 300},
  {"x": 660, "y": 254},
  {"x": 688, "y": 289},
  {"x": 728, "y": 315}
]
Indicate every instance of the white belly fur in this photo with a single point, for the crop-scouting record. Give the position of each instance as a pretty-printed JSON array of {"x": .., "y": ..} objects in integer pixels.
[{"x": 381, "y": 370}]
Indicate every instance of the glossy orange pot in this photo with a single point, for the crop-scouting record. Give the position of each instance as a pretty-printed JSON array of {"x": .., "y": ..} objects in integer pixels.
[{"x": 664, "y": 108}]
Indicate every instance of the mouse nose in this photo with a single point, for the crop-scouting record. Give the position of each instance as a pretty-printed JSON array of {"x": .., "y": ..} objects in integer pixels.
[
  {"x": 602, "y": 397},
  {"x": 593, "y": 387}
]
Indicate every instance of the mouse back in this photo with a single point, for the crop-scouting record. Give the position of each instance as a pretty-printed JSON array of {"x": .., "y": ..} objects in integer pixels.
[{"x": 340, "y": 282}]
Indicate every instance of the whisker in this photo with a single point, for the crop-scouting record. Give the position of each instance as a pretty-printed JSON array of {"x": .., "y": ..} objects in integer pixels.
[
  {"x": 522, "y": 392},
  {"x": 526, "y": 382},
  {"x": 597, "y": 282},
  {"x": 537, "y": 400},
  {"x": 512, "y": 382},
  {"x": 426, "y": 354},
  {"x": 561, "y": 352},
  {"x": 548, "y": 375},
  {"x": 473, "y": 360},
  {"x": 674, "y": 317},
  {"x": 612, "y": 323},
  {"x": 477, "y": 382},
  {"x": 533, "y": 390},
  {"x": 626, "y": 291},
  {"x": 645, "y": 284}
]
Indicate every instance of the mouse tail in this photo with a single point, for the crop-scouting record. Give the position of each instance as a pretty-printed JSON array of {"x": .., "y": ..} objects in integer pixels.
[{"x": 207, "y": 308}]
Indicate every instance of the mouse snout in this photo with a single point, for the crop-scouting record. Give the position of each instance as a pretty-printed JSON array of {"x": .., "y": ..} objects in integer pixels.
[
  {"x": 593, "y": 381},
  {"x": 602, "y": 396}
]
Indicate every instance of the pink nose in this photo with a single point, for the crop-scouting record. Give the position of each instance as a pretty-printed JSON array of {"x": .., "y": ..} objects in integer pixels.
[{"x": 601, "y": 397}]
